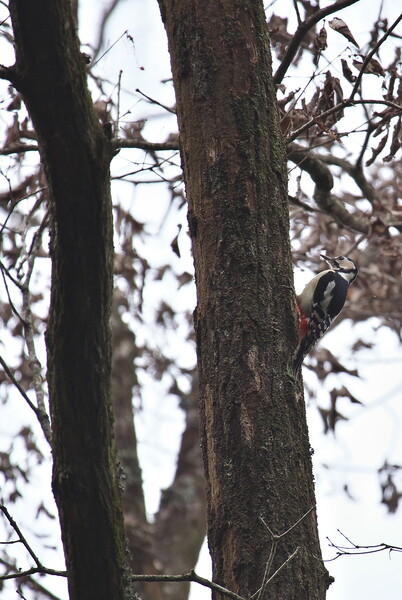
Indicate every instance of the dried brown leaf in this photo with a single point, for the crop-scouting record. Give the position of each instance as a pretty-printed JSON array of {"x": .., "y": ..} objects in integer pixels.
[
  {"x": 395, "y": 142},
  {"x": 372, "y": 68},
  {"x": 346, "y": 71},
  {"x": 340, "y": 26},
  {"x": 376, "y": 151}
]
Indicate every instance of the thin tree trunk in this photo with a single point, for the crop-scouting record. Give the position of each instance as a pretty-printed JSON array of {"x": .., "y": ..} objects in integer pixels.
[
  {"x": 172, "y": 542},
  {"x": 139, "y": 532},
  {"x": 180, "y": 523},
  {"x": 253, "y": 429},
  {"x": 50, "y": 74}
]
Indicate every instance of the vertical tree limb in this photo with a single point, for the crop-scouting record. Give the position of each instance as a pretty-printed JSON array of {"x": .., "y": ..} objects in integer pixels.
[
  {"x": 50, "y": 74},
  {"x": 253, "y": 430}
]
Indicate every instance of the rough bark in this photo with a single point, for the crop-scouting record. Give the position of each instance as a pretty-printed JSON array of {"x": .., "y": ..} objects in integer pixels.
[
  {"x": 50, "y": 74},
  {"x": 253, "y": 428}
]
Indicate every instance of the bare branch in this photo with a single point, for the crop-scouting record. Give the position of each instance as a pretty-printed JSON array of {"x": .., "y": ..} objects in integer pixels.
[
  {"x": 6, "y": 273},
  {"x": 30, "y": 581},
  {"x": 191, "y": 576},
  {"x": 21, "y": 536},
  {"x": 34, "y": 571},
  {"x": 95, "y": 62},
  {"x": 283, "y": 565},
  {"x": 296, "y": 7},
  {"x": 34, "y": 363},
  {"x": 21, "y": 191},
  {"x": 10, "y": 375},
  {"x": 275, "y": 541},
  {"x": 356, "y": 172},
  {"x": 144, "y": 145},
  {"x": 355, "y": 244},
  {"x": 369, "y": 132},
  {"x": 303, "y": 205},
  {"x": 301, "y": 31},
  {"x": 153, "y": 101},
  {"x": 26, "y": 320},
  {"x": 39, "y": 568},
  {"x": 353, "y": 549},
  {"x": 214, "y": 586},
  {"x": 324, "y": 182},
  {"x": 116, "y": 127},
  {"x": 18, "y": 149},
  {"x": 285, "y": 533},
  {"x": 107, "y": 13}
]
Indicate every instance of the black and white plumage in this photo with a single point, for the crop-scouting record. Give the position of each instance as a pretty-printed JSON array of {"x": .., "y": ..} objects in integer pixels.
[{"x": 321, "y": 301}]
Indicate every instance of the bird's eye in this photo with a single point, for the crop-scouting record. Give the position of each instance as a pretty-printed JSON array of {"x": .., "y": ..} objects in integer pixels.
[{"x": 341, "y": 257}]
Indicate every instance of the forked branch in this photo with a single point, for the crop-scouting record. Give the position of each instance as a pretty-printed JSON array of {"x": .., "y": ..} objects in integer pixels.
[
  {"x": 276, "y": 538},
  {"x": 352, "y": 549},
  {"x": 38, "y": 568}
]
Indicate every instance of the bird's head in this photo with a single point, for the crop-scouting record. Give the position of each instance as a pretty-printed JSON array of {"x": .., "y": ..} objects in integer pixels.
[{"x": 343, "y": 265}]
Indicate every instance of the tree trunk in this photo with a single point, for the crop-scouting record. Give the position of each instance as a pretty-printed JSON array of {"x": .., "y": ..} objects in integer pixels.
[
  {"x": 180, "y": 522},
  {"x": 50, "y": 74},
  {"x": 253, "y": 428},
  {"x": 172, "y": 542}
]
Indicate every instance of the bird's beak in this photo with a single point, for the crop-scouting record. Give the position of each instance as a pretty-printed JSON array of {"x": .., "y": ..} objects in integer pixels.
[{"x": 328, "y": 259}]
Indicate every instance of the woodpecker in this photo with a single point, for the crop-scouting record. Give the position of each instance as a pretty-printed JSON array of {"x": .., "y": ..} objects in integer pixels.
[{"x": 321, "y": 301}]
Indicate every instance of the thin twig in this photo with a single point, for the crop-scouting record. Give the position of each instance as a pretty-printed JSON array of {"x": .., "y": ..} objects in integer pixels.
[
  {"x": 34, "y": 571},
  {"x": 153, "y": 101},
  {"x": 26, "y": 320},
  {"x": 40, "y": 410},
  {"x": 9, "y": 374},
  {"x": 8, "y": 274},
  {"x": 118, "y": 103},
  {"x": 268, "y": 565},
  {"x": 356, "y": 549},
  {"x": 306, "y": 514},
  {"x": 30, "y": 581},
  {"x": 357, "y": 243},
  {"x": 21, "y": 536},
  {"x": 303, "y": 205},
  {"x": 297, "y": 12},
  {"x": 95, "y": 62},
  {"x": 284, "y": 564},
  {"x": 215, "y": 586},
  {"x": 34, "y": 363},
  {"x": 275, "y": 541},
  {"x": 39, "y": 568},
  {"x": 10, "y": 301},
  {"x": 370, "y": 130},
  {"x": 101, "y": 29}
]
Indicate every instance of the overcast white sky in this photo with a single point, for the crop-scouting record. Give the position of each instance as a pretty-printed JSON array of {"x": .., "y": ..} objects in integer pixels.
[{"x": 362, "y": 443}]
